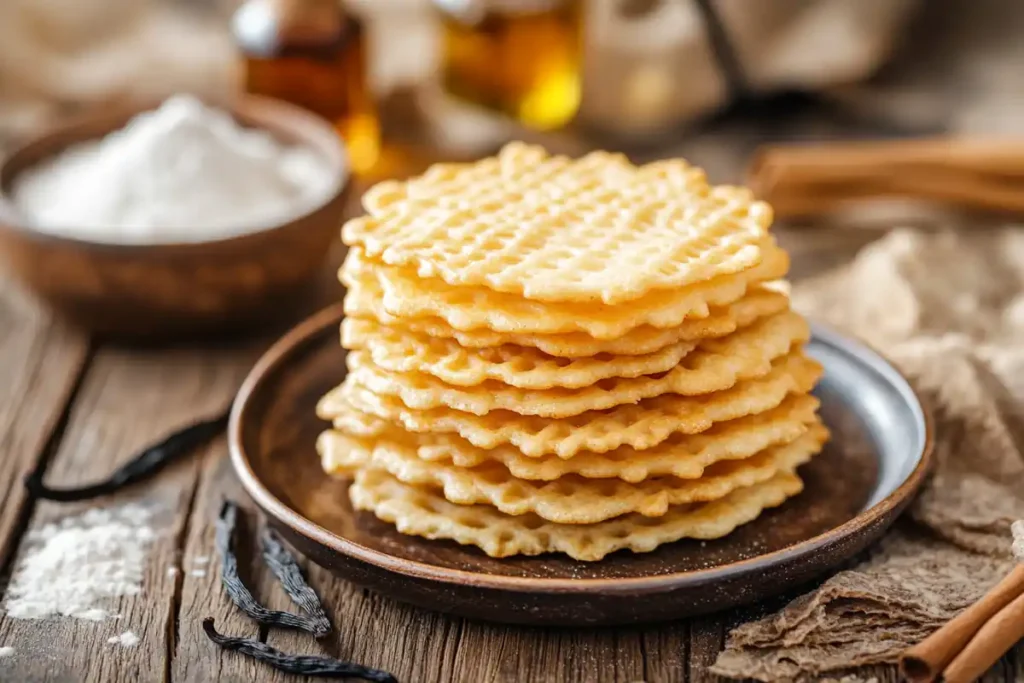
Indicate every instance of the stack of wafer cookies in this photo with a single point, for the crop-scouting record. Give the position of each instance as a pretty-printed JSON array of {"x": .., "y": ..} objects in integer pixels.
[{"x": 575, "y": 356}]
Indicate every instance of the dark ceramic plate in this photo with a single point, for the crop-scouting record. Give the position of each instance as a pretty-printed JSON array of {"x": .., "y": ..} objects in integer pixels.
[{"x": 877, "y": 459}]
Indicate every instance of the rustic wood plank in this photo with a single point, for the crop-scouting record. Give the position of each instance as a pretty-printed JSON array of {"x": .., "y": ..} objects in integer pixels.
[
  {"x": 195, "y": 658},
  {"x": 418, "y": 645},
  {"x": 666, "y": 652},
  {"x": 127, "y": 401},
  {"x": 414, "y": 644},
  {"x": 42, "y": 363},
  {"x": 707, "y": 635},
  {"x": 368, "y": 629}
]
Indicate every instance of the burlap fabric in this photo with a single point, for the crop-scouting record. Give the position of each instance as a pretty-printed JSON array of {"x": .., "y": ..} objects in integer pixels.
[{"x": 948, "y": 309}]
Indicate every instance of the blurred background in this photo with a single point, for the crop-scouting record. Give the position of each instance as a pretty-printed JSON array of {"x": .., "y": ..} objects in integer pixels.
[
  {"x": 650, "y": 77},
  {"x": 821, "y": 106}
]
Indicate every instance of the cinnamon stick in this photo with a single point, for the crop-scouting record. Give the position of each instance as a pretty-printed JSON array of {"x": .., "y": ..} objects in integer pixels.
[
  {"x": 800, "y": 180},
  {"x": 929, "y": 658},
  {"x": 991, "y": 642},
  {"x": 832, "y": 160}
]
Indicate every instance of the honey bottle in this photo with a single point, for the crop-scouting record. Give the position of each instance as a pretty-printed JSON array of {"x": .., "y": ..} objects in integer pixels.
[
  {"x": 312, "y": 53},
  {"x": 519, "y": 57}
]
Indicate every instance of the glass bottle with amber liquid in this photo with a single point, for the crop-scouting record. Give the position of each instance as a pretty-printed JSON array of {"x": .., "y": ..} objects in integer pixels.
[
  {"x": 519, "y": 57},
  {"x": 312, "y": 53}
]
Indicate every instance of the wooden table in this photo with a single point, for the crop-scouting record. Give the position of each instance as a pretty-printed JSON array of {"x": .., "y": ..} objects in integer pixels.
[{"x": 84, "y": 407}]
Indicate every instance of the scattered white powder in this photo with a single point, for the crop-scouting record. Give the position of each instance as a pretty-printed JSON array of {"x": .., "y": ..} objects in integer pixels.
[
  {"x": 126, "y": 639},
  {"x": 6, "y": 651},
  {"x": 184, "y": 172},
  {"x": 76, "y": 566}
]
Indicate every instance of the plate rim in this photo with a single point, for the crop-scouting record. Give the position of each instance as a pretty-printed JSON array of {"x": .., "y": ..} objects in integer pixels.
[{"x": 312, "y": 327}]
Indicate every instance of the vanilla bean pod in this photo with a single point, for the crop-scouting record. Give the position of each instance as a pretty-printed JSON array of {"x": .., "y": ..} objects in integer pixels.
[
  {"x": 240, "y": 594},
  {"x": 288, "y": 572},
  {"x": 306, "y": 665},
  {"x": 142, "y": 466}
]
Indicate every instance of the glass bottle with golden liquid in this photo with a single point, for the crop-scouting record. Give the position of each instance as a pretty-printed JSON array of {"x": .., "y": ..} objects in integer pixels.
[
  {"x": 312, "y": 53},
  {"x": 520, "y": 57}
]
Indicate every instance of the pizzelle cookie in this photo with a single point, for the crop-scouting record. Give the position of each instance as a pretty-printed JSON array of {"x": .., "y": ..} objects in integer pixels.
[
  {"x": 364, "y": 302},
  {"x": 577, "y": 500},
  {"x": 575, "y": 356},
  {"x": 550, "y": 228},
  {"x": 527, "y": 368},
  {"x": 423, "y": 511},
  {"x": 682, "y": 456},
  {"x": 640, "y": 426},
  {"x": 714, "y": 366},
  {"x": 407, "y": 296}
]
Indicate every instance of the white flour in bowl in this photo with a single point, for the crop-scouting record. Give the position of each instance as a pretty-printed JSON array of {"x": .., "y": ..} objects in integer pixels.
[{"x": 185, "y": 172}]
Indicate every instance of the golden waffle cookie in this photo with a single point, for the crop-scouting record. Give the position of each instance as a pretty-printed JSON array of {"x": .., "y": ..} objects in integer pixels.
[
  {"x": 395, "y": 350},
  {"x": 682, "y": 456},
  {"x": 365, "y": 302},
  {"x": 406, "y": 295},
  {"x": 421, "y": 511},
  {"x": 574, "y": 499},
  {"x": 551, "y": 228},
  {"x": 715, "y": 365},
  {"x": 640, "y": 426}
]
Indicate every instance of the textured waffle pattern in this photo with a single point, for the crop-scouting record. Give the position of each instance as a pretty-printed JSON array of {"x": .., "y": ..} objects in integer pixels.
[
  {"x": 396, "y": 350},
  {"x": 405, "y": 295},
  {"x": 714, "y": 366},
  {"x": 573, "y": 499},
  {"x": 422, "y": 511},
  {"x": 682, "y": 456},
  {"x": 640, "y": 426},
  {"x": 576, "y": 356},
  {"x": 365, "y": 302},
  {"x": 550, "y": 228}
]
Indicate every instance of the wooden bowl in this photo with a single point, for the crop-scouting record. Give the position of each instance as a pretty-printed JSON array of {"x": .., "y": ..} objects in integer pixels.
[
  {"x": 877, "y": 458},
  {"x": 155, "y": 291}
]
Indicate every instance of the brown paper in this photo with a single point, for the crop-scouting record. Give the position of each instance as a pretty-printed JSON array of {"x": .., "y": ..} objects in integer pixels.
[{"x": 948, "y": 309}]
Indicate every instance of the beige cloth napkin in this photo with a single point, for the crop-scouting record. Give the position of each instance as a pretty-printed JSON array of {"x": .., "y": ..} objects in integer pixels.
[{"x": 948, "y": 309}]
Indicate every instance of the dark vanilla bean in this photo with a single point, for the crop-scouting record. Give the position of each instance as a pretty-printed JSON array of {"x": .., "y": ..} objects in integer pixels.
[
  {"x": 141, "y": 467},
  {"x": 305, "y": 665},
  {"x": 240, "y": 594},
  {"x": 282, "y": 563}
]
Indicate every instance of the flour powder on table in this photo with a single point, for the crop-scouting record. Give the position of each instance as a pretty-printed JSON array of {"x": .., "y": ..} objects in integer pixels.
[
  {"x": 79, "y": 566},
  {"x": 948, "y": 309}
]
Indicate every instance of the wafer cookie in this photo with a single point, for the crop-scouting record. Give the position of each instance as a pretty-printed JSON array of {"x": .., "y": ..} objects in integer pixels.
[
  {"x": 364, "y": 301},
  {"x": 714, "y": 366},
  {"x": 406, "y": 295},
  {"x": 422, "y": 511},
  {"x": 550, "y": 228},
  {"x": 682, "y": 456},
  {"x": 573, "y": 499},
  {"x": 399, "y": 350},
  {"x": 640, "y": 426}
]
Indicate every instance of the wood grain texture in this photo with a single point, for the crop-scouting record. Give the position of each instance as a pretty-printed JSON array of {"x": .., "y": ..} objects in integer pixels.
[
  {"x": 127, "y": 401},
  {"x": 41, "y": 363},
  {"x": 418, "y": 645},
  {"x": 194, "y": 657}
]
